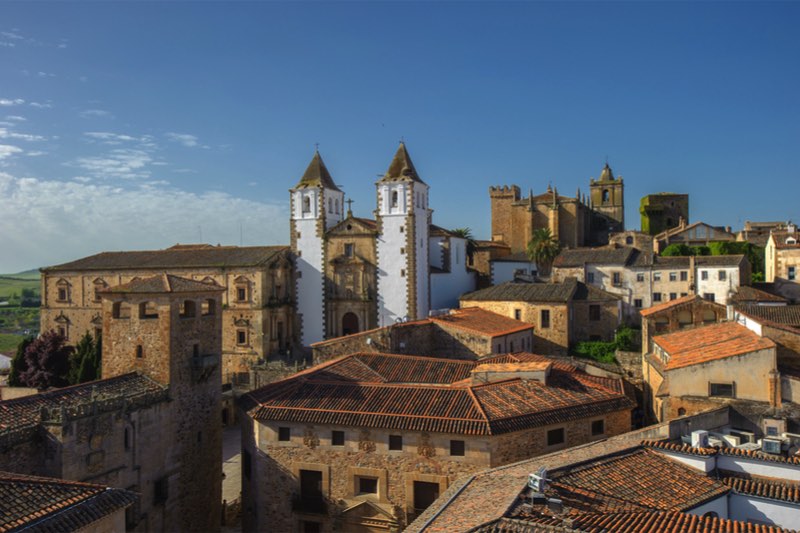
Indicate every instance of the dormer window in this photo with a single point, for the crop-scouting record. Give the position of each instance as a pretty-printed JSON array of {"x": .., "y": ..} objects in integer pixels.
[{"x": 791, "y": 240}]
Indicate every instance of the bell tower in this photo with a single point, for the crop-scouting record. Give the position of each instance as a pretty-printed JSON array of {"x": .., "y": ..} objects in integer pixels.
[
  {"x": 607, "y": 195},
  {"x": 403, "y": 220},
  {"x": 317, "y": 205}
]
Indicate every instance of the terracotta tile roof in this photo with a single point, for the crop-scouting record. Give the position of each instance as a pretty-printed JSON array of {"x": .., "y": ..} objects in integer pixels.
[
  {"x": 787, "y": 315},
  {"x": 429, "y": 394},
  {"x": 26, "y": 412},
  {"x": 491, "y": 244},
  {"x": 765, "y": 488},
  {"x": 745, "y": 295},
  {"x": 709, "y": 343},
  {"x": 535, "y": 366},
  {"x": 481, "y": 321},
  {"x": 32, "y": 503},
  {"x": 760, "y": 456},
  {"x": 606, "y": 255},
  {"x": 519, "y": 257},
  {"x": 177, "y": 257},
  {"x": 527, "y": 357},
  {"x": 779, "y": 238},
  {"x": 670, "y": 304},
  {"x": 163, "y": 283},
  {"x": 679, "y": 448}
]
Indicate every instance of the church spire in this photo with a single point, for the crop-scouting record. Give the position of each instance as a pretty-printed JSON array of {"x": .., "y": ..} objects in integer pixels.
[
  {"x": 317, "y": 175},
  {"x": 401, "y": 167}
]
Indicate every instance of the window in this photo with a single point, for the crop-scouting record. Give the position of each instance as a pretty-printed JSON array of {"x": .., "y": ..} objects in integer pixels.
[
  {"x": 628, "y": 240},
  {"x": 284, "y": 434},
  {"x": 348, "y": 249},
  {"x": 330, "y": 205},
  {"x": 241, "y": 337},
  {"x": 673, "y": 295},
  {"x": 208, "y": 307},
  {"x": 555, "y": 437},
  {"x": 656, "y": 296},
  {"x": 590, "y": 277},
  {"x": 722, "y": 275},
  {"x": 148, "y": 310},
  {"x": 517, "y": 314},
  {"x": 708, "y": 296},
  {"x": 637, "y": 303},
  {"x": 62, "y": 330},
  {"x": 545, "y": 319},
  {"x": 337, "y": 438},
  {"x": 640, "y": 277},
  {"x": 241, "y": 294},
  {"x": 395, "y": 442},
  {"x": 673, "y": 276},
  {"x": 792, "y": 273},
  {"x": 772, "y": 431},
  {"x": 704, "y": 275},
  {"x": 187, "y": 309},
  {"x": 367, "y": 485},
  {"x": 606, "y": 196},
  {"x": 656, "y": 276},
  {"x": 99, "y": 286},
  {"x": 121, "y": 310},
  {"x": 457, "y": 448},
  {"x": 723, "y": 390},
  {"x": 402, "y": 250},
  {"x": 684, "y": 275},
  {"x": 425, "y": 493},
  {"x": 684, "y": 294},
  {"x": 306, "y": 204},
  {"x": 394, "y": 198},
  {"x": 598, "y": 427},
  {"x": 139, "y": 351},
  {"x": 402, "y": 273},
  {"x": 617, "y": 279},
  {"x": 594, "y": 312}
]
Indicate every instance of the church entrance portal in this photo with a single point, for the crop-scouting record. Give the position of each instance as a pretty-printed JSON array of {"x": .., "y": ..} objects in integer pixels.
[{"x": 349, "y": 324}]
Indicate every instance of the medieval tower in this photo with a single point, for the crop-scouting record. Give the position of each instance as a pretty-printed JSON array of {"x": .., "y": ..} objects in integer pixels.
[
  {"x": 607, "y": 195},
  {"x": 170, "y": 329},
  {"x": 403, "y": 221},
  {"x": 317, "y": 205}
]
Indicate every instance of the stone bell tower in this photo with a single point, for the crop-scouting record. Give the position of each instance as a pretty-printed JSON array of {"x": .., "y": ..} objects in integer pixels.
[
  {"x": 317, "y": 205},
  {"x": 170, "y": 329},
  {"x": 403, "y": 221},
  {"x": 607, "y": 195}
]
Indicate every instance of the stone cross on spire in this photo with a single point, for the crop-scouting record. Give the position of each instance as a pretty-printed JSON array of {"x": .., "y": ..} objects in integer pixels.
[{"x": 349, "y": 203}]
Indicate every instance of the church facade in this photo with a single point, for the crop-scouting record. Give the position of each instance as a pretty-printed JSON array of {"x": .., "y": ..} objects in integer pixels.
[
  {"x": 574, "y": 222},
  {"x": 353, "y": 273}
]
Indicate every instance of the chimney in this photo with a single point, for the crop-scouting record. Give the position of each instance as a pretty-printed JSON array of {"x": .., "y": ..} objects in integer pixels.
[
  {"x": 774, "y": 388},
  {"x": 493, "y": 372}
]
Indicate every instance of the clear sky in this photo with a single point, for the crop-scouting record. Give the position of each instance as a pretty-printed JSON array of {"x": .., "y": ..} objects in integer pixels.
[{"x": 129, "y": 125}]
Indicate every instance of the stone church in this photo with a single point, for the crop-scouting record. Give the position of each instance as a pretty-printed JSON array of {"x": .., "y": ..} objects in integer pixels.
[
  {"x": 578, "y": 221},
  {"x": 356, "y": 273}
]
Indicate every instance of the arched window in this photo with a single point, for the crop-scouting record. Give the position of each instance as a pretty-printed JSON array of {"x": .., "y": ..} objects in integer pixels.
[
  {"x": 711, "y": 514},
  {"x": 188, "y": 309},
  {"x": 709, "y": 317},
  {"x": 330, "y": 205},
  {"x": 606, "y": 195},
  {"x": 394, "y": 199},
  {"x": 681, "y": 411},
  {"x": 99, "y": 285},
  {"x": 336, "y": 204},
  {"x": 685, "y": 318},
  {"x": 148, "y": 310},
  {"x": 306, "y": 204}
]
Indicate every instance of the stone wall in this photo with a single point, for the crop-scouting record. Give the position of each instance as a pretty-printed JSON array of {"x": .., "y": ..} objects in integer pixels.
[{"x": 585, "y": 328}]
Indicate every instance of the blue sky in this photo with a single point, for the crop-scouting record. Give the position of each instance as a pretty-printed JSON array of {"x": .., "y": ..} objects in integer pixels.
[{"x": 138, "y": 125}]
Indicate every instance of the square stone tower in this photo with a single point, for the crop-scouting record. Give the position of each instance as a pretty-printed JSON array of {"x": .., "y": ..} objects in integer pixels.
[
  {"x": 607, "y": 195},
  {"x": 170, "y": 329}
]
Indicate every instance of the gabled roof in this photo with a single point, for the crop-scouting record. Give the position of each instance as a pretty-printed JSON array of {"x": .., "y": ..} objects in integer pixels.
[
  {"x": 607, "y": 255},
  {"x": 779, "y": 239},
  {"x": 786, "y": 315},
  {"x": 177, "y": 257},
  {"x": 30, "y": 503},
  {"x": 563, "y": 292},
  {"x": 431, "y": 394},
  {"x": 316, "y": 175},
  {"x": 746, "y": 295},
  {"x": 671, "y": 232},
  {"x": 709, "y": 343},
  {"x": 401, "y": 168},
  {"x": 367, "y": 224},
  {"x": 164, "y": 283},
  {"x": 477, "y": 320},
  {"x": 690, "y": 299}
]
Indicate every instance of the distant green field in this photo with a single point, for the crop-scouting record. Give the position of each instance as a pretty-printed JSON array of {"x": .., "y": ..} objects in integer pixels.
[
  {"x": 14, "y": 283},
  {"x": 9, "y": 342}
]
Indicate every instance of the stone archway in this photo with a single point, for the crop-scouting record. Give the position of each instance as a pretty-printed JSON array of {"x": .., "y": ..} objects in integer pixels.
[{"x": 349, "y": 324}]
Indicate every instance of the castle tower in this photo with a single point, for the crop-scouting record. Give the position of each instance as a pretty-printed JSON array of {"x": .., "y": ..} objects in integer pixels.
[
  {"x": 403, "y": 221},
  {"x": 607, "y": 195},
  {"x": 170, "y": 329},
  {"x": 317, "y": 204}
]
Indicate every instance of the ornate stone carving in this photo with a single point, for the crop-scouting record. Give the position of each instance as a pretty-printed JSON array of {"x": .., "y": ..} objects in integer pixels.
[
  {"x": 425, "y": 447},
  {"x": 365, "y": 443},
  {"x": 310, "y": 438}
]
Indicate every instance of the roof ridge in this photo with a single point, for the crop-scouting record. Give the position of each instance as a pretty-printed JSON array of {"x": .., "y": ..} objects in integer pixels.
[{"x": 479, "y": 406}]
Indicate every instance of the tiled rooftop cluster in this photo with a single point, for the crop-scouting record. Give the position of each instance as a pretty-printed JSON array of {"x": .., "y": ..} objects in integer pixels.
[
  {"x": 29, "y": 503},
  {"x": 569, "y": 289},
  {"x": 477, "y": 320},
  {"x": 428, "y": 394},
  {"x": 718, "y": 341}
]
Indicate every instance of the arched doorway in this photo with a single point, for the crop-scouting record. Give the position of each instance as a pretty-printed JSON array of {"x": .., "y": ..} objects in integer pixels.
[{"x": 349, "y": 324}]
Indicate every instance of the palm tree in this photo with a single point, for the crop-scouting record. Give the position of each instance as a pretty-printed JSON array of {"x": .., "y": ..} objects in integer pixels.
[
  {"x": 466, "y": 233},
  {"x": 543, "y": 248}
]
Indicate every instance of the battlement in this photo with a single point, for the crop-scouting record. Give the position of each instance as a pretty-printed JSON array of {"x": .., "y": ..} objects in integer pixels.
[{"x": 504, "y": 191}]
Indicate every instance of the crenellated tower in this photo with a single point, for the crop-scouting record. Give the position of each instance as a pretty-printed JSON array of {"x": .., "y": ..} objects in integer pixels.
[
  {"x": 403, "y": 219},
  {"x": 317, "y": 205}
]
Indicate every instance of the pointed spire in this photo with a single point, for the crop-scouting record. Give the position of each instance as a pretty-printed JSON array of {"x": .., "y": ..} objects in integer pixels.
[
  {"x": 401, "y": 167},
  {"x": 578, "y": 194},
  {"x": 317, "y": 175},
  {"x": 606, "y": 174}
]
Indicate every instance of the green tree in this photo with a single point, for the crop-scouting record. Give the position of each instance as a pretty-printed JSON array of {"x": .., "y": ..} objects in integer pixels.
[
  {"x": 543, "y": 248},
  {"x": 18, "y": 364},
  {"x": 85, "y": 362},
  {"x": 701, "y": 250},
  {"x": 466, "y": 233},
  {"x": 677, "y": 250}
]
